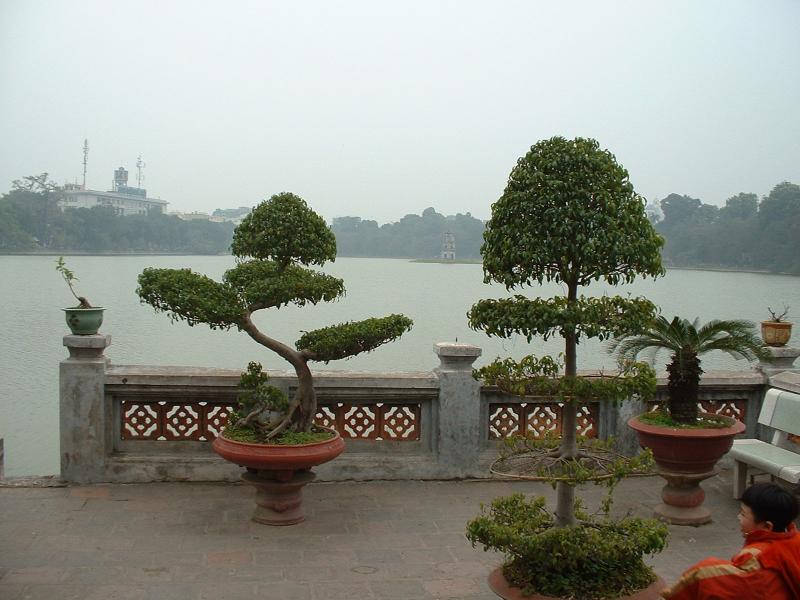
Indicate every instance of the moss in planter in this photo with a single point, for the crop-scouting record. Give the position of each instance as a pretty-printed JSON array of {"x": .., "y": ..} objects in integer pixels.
[
  {"x": 662, "y": 419},
  {"x": 288, "y": 438}
]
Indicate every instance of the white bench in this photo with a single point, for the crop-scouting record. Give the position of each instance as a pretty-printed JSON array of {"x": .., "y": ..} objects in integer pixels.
[{"x": 781, "y": 458}]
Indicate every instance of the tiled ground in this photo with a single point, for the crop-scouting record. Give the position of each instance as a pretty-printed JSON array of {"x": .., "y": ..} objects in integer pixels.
[{"x": 374, "y": 540}]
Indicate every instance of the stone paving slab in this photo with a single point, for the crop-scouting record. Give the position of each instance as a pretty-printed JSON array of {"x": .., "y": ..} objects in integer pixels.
[{"x": 386, "y": 540}]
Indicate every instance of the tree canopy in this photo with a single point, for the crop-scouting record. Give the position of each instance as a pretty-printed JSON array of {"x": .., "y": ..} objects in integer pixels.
[{"x": 569, "y": 214}]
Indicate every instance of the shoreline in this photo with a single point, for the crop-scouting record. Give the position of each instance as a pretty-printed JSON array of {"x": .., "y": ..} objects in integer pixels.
[{"x": 413, "y": 260}]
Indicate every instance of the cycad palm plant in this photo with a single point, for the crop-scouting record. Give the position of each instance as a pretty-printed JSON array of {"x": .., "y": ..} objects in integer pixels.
[{"x": 687, "y": 341}]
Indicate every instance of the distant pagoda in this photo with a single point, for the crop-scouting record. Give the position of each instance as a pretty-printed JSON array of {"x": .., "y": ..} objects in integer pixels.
[{"x": 448, "y": 246}]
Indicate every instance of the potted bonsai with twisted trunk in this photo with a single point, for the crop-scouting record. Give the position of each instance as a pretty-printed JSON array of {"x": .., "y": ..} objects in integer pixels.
[
  {"x": 687, "y": 444},
  {"x": 83, "y": 319},
  {"x": 273, "y": 246},
  {"x": 569, "y": 215}
]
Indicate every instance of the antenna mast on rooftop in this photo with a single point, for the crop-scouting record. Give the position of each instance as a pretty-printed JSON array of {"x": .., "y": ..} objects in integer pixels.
[
  {"x": 139, "y": 166},
  {"x": 85, "y": 159}
]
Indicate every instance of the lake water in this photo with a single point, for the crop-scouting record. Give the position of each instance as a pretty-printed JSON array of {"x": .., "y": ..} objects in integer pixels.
[{"x": 436, "y": 296}]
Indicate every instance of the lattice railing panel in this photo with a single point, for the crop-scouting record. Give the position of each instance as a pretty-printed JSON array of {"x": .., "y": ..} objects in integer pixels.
[
  {"x": 728, "y": 408},
  {"x": 381, "y": 421},
  {"x": 166, "y": 421},
  {"x": 202, "y": 421},
  {"x": 538, "y": 419}
]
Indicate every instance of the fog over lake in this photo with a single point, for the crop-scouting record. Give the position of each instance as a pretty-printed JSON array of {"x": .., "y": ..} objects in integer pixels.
[
  {"x": 435, "y": 296},
  {"x": 378, "y": 109}
]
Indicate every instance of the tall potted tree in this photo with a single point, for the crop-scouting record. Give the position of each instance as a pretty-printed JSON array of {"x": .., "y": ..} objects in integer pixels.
[
  {"x": 273, "y": 246},
  {"x": 686, "y": 444},
  {"x": 569, "y": 215}
]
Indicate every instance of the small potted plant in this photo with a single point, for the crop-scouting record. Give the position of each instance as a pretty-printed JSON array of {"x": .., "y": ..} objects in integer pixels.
[
  {"x": 685, "y": 443},
  {"x": 83, "y": 319},
  {"x": 274, "y": 438},
  {"x": 776, "y": 331}
]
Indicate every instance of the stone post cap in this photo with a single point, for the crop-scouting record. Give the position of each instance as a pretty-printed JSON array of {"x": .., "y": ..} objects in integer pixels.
[
  {"x": 786, "y": 381},
  {"x": 86, "y": 347},
  {"x": 783, "y": 351},
  {"x": 456, "y": 357},
  {"x": 96, "y": 341},
  {"x": 456, "y": 350}
]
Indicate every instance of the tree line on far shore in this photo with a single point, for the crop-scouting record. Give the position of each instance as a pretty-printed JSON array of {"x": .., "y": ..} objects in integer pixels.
[
  {"x": 747, "y": 233},
  {"x": 31, "y": 221}
]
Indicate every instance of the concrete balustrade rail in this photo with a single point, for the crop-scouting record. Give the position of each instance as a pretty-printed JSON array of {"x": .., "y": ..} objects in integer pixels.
[{"x": 127, "y": 424}]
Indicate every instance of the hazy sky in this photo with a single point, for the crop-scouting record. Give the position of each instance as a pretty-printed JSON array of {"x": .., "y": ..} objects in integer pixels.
[{"x": 378, "y": 109}]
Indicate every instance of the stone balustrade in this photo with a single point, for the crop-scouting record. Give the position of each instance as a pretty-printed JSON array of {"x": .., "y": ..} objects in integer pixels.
[{"x": 145, "y": 423}]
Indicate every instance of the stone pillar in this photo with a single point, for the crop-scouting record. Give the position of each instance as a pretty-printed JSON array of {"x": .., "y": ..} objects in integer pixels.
[
  {"x": 85, "y": 439},
  {"x": 616, "y": 417},
  {"x": 459, "y": 414},
  {"x": 783, "y": 358}
]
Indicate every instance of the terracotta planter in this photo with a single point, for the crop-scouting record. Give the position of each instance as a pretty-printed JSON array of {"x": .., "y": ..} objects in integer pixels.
[
  {"x": 685, "y": 457},
  {"x": 501, "y": 587},
  {"x": 776, "y": 334},
  {"x": 279, "y": 473}
]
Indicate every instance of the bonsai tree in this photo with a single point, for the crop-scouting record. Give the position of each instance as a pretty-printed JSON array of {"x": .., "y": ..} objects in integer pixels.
[
  {"x": 774, "y": 317},
  {"x": 569, "y": 215},
  {"x": 70, "y": 278},
  {"x": 273, "y": 246},
  {"x": 687, "y": 341}
]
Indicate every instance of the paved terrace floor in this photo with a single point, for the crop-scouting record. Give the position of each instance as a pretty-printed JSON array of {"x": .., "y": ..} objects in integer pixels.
[{"x": 375, "y": 540}]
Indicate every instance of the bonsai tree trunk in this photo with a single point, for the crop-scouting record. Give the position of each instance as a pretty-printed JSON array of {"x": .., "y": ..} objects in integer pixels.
[
  {"x": 684, "y": 382},
  {"x": 303, "y": 407},
  {"x": 306, "y": 397},
  {"x": 565, "y": 493}
]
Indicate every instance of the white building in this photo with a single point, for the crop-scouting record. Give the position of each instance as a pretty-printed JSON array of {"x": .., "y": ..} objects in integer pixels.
[{"x": 123, "y": 199}]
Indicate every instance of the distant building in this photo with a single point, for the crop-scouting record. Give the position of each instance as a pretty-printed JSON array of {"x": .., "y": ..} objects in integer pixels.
[
  {"x": 232, "y": 215},
  {"x": 123, "y": 199},
  {"x": 198, "y": 216},
  {"x": 448, "y": 246}
]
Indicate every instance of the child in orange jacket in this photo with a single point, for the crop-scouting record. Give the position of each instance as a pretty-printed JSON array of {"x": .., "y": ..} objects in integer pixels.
[{"x": 768, "y": 566}]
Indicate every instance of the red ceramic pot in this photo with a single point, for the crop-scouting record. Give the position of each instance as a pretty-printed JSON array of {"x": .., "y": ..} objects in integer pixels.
[
  {"x": 686, "y": 450},
  {"x": 501, "y": 587},
  {"x": 684, "y": 458},
  {"x": 278, "y": 457},
  {"x": 279, "y": 473}
]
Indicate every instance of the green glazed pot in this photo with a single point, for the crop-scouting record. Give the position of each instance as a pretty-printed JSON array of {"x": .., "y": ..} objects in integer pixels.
[{"x": 84, "y": 321}]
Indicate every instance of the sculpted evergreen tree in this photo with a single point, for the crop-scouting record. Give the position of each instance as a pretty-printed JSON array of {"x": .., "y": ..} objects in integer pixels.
[
  {"x": 570, "y": 215},
  {"x": 273, "y": 245}
]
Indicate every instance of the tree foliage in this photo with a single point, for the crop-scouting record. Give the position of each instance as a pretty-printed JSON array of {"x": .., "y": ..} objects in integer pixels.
[
  {"x": 272, "y": 243},
  {"x": 355, "y": 337},
  {"x": 266, "y": 284},
  {"x": 192, "y": 297},
  {"x": 30, "y": 220},
  {"x": 413, "y": 236},
  {"x": 284, "y": 230},
  {"x": 743, "y": 234},
  {"x": 686, "y": 341},
  {"x": 569, "y": 214},
  {"x": 588, "y": 317},
  {"x": 595, "y": 558}
]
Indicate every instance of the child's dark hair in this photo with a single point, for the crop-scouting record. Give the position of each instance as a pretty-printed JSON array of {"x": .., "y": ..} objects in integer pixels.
[{"x": 770, "y": 502}]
